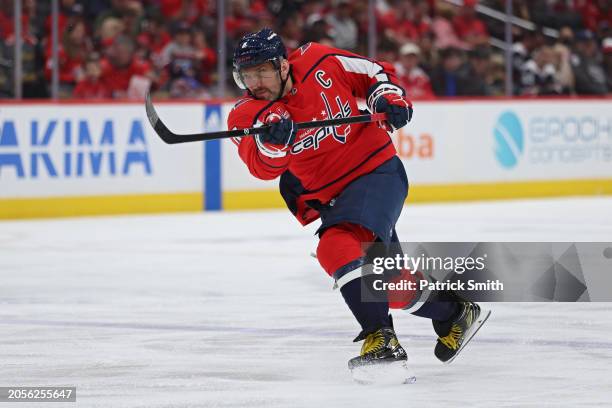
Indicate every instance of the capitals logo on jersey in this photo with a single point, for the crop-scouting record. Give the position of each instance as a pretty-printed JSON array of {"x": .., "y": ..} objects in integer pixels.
[{"x": 312, "y": 138}]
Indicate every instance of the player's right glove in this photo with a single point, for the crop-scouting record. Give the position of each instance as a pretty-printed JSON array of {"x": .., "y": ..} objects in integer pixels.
[
  {"x": 280, "y": 135},
  {"x": 397, "y": 108},
  {"x": 282, "y": 131}
]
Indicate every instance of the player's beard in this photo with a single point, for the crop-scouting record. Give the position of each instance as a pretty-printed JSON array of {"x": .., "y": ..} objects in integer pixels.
[{"x": 264, "y": 93}]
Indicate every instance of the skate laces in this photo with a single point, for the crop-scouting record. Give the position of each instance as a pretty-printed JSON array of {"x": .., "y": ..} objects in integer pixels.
[{"x": 374, "y": 342}]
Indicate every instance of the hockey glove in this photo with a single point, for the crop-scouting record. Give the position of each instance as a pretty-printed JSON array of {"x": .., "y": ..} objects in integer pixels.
[
  {"x": 397, "y": 108},
  {"x": 282, "y": 131}
]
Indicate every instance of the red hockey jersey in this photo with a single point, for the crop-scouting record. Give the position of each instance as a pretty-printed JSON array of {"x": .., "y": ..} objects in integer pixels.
[{"x": 327, "y": 83}]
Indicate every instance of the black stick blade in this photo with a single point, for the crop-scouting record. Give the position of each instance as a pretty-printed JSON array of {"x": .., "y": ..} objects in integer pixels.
[{"x": 162, "y": 131}]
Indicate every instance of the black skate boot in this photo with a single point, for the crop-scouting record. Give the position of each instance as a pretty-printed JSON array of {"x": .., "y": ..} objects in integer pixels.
[
  {"x": 455, "y": 333},
  {"x": 381, "y": 346}
]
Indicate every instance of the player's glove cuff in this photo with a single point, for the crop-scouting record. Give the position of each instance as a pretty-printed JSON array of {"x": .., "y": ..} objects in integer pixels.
[{"x": 379, "y": 89}]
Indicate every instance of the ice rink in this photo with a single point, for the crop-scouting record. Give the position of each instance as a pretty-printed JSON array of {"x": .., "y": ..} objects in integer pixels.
[{"x": 229, "y": 310}]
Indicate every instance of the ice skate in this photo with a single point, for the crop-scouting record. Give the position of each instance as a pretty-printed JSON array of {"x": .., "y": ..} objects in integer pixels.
[
  {"x": 382, "y": 360},
  {"x": 456, "y": 333}
]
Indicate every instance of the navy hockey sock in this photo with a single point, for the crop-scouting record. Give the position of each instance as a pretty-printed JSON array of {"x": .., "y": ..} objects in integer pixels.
[{"x": 372, "y": 314}]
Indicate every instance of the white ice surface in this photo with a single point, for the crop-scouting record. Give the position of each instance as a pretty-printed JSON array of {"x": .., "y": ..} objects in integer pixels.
[{"x": 229, "y": 310}]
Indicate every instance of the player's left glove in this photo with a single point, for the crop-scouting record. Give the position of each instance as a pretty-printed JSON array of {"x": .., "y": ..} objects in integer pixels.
[{"x": 397, "y": 108}]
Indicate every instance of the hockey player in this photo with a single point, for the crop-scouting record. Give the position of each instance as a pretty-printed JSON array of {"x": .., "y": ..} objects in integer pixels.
[{"x": 349, "y": 176}]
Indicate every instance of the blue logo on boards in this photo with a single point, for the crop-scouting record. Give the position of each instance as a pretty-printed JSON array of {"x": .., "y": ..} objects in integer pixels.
[{"x": 509, "y": 139}]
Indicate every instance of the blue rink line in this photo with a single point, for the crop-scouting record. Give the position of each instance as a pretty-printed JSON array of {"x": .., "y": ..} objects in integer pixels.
[{"x": 269, "y": 332}]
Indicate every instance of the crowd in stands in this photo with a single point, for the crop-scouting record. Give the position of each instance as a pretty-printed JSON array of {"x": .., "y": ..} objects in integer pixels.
[{"x": 121, "y": 48}]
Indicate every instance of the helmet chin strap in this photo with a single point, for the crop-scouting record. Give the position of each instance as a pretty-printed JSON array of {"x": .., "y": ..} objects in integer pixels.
[{"x": 283, "y": 82}]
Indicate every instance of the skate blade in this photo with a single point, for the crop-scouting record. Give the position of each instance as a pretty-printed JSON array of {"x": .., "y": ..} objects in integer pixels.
[
  {"x": 383, "y": 374},
  {"x": 482, "y": 318}
]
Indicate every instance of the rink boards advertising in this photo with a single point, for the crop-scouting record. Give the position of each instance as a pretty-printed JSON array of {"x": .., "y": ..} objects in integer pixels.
[{"x": 73, "y": 159}]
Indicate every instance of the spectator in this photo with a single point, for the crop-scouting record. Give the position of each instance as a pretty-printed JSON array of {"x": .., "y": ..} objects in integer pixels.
[
  {"x": 32, "y": 57},
  {"x": 313, "y": 11},
  {"x": 594, "y": 13},
  {"x": 406, "y": 21},
  {"x": 237, "y": 22},
  {"x": 205, "y": 56},
  {"x": 317, "y": 30},
  {"x": 128, "y": 12},
  {"x": 418, "y": 22},
  {"x": 589, "y": 74},
  {"x": 446, "y": 79},
  {"x": 153, "y": 39},
  {"x": 343, "y": 28},
  {"x": 72, "y": 53},
  {"x": 477, "y": 72},
  {"x": 562, "y": 59},
  {"x": 387, "y": 50},
  {"x": 429, "y": 54},
  {"x": 539, "y": 75},
  {"x": 497, "y": 76},
  {"x": 68, "y": 9},
  {"x": 444, "y": 32},
  {"x": 121, "y": 69},
  {"x": 412, "y": 78},
  {"x": 527, "y": 42},
  {"x": 469, "y": 27},
  {"x": 109, "y": 29},
  {"x": 183, "y": 61},
  {"x": 292, "y": 31},
  {"x": 90, "y": 86}
]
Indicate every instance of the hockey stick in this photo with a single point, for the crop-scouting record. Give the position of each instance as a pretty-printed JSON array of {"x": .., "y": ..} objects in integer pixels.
[{"x": 171, "y": 138}]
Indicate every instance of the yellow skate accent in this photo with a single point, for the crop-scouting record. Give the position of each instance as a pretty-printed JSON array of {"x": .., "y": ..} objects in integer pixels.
[
  {"x": 375, "y": 342},
  {"x": 451, "y": 340}
]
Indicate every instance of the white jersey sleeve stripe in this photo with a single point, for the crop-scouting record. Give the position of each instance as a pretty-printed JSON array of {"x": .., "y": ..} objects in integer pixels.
[{"x": 360, "y": 66}]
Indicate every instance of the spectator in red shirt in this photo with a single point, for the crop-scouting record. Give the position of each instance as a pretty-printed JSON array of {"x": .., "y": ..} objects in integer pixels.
[
  {"x": 68, "y": 10},
  {"x": 412, "y": 78},
  {"x": 206, "y": 56},
  {"x": 91, "y": 87},
  {"x": 153, "y": 39},
  {"x": 73, "y": 50},
  {"x": 237, "y": 22},
  {"x": 468, "y": 27},
  {"x": 417, "y": 22},
  {"x": 121, "y": 66},
  {"x": 595, "y": 13}
]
